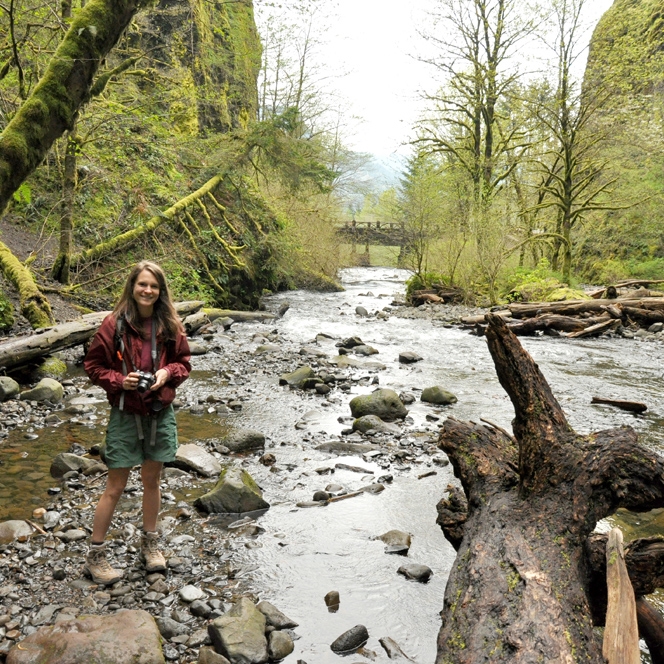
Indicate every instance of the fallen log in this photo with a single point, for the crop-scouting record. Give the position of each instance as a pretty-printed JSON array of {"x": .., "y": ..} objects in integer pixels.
[
  {"x": 18, "y": 351},
  {"x": 481, "y": 318},
  {"x": 239, "y": 316},
  {"x": 631, "y": 406},
  {"x": 518, "y": 590},
  {"x": 576, "y": 307},
  {"x": 621, "y": 632},
  {"x": 651, "y": 628},
  {"x": 195, "y": 322},
  {"x": 596, "y": 329},
  {"x": 644, "y": 317},
  {"x": 530, "y": 326}
]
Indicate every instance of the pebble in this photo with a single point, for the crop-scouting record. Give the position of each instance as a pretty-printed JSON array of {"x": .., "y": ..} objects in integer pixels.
[{"x": 191, "y": 593}]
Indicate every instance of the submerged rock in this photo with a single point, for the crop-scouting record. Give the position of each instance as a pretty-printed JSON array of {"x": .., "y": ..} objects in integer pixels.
[
  {"x": 298, "y": 377},
  {"x": 396, "y": 539},
  {"x": 66, "y": 462},
  {"x": 124, "y": 637},
  {"x": 236, "y": 492},
  {"x": 243, "y": 440},
  {"x": 384, "y": 403},
  {"x": 409, "y": 357},
  {"x": 239, "y": 634},
  {"x": 420, "y": 573},
  {"x": 437, "y": 395},
  {"x": 353, "y": 639}
]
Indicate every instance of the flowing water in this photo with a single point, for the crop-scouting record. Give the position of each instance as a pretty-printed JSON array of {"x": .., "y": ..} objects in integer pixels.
[{"x": 304, "y": 553}]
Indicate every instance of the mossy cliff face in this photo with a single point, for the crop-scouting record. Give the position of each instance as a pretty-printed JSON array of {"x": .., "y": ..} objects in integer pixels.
[
  {"x": 625, "y": 79},
  {"x": 627, "y": 49},
  {"x": 216, "y": 49}
]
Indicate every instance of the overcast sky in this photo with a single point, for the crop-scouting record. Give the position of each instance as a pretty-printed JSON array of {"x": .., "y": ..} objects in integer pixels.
[{"x": 369, "y": 48}]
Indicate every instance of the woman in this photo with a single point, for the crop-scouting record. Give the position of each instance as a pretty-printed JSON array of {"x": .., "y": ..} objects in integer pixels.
[{"x": 142, "y": 336}]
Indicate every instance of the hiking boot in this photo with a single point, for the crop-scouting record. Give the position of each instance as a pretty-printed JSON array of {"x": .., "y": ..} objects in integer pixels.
[
  {"x": 150, "y": 553},
  {"x": 98, "y": 568}
]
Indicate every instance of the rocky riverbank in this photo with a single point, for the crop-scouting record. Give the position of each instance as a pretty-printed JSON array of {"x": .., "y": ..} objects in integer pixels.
[{"x": 348, "y": 488}]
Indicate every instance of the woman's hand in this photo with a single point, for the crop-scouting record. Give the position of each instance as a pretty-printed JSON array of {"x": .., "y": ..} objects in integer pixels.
[
  {"x": 160, "y": 378},
  {"x": 130, "y": 382}
]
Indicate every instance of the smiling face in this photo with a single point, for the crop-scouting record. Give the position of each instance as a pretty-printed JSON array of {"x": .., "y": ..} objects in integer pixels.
[{"x": 146, "y": 292}]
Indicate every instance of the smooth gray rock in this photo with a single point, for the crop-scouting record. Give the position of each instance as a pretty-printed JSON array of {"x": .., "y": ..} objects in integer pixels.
[
  {"x": 407, "y": 398},
  {"x": 656, "y": 327},
  {"x": 274, "y": 617},
  {"x": 46, "y": 389},
  {"x": 393, "y": 650},
  {"x": 123, "y": 637},
  {"x": 197, "y": 348},
  {"x": 298, "y": 377},
  {"x": 279, "y": 645},
  {"x": 207, "y": 655},
  {"x": 239, "y": 635},
  {"x": 193, "y": 457},
  {"x": 437, "y": 395},
  {"x": 365, "y": 350},
  {"x": 340, "y": 447},
  {"x": 353, "y": 639},
  {"x": 408, "y": 357},
  {"x": 191, "y": 593},
  {"x": 9, "y": 388},
  {"x": 13, "y": 529},
  {"x": 243, "y": 440},
  {"x": 373, "y": 422},
  {"x": 395, "y": 538},
  {"x": 66, "y": 462},
  {"x": 361, "y": 311},
  {"x": 72, "y": 535},
  {"x": 384, "y": 403},
  {"x": 420, "y": 573},
  {"x": 235, "y": 492},
  {"x": 169, "y": 628}
]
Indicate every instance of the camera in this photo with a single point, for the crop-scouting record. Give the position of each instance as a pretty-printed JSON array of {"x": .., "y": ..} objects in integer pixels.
[{"x": 145, "y": 381}]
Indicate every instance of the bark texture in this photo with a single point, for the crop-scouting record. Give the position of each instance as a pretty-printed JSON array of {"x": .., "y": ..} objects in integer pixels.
[{"x": 519, "y": 590}]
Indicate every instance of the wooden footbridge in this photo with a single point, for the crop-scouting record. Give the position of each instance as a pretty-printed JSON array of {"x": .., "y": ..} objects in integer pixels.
[{"x": 390, "y": 233}]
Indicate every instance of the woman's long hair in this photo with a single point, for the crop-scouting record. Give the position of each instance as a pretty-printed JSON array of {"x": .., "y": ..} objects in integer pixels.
[{"x": 163, "y": 314}]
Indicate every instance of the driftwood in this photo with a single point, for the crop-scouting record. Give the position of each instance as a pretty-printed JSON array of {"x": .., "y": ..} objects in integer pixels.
[
  {"x": 18, "y": 351},
  {"x": 239, "y": 316},
  {"x": 577, "y": 307},
  {"x": 631, "y": 406},
  {"x": 596, "y": 329},
  {"x": 651, "y": 628},
  {"x": 519, "y": 590},
  {"x": 195, "y": 322},
  {"x": 546, "y": 322},
  {"x": 621, "y": 631}
]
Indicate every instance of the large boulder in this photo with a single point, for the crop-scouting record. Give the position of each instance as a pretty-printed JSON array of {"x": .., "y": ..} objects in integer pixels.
[
  {"x": 298, "y": 377},
  {"x": 236, "y": 492},
  {"x": 244, "y": 440},
  {"x": 9, "y": 388},
  {"x": 11, "y": 530},
  {"x": 47, "y": 389},
  {"x": 193, "y": 457},
  {"x": 239, "y": 634},
  {"x": 373, "y": 422},
  {"x": 124, "y": 637},
  {"x": 437, "y": 395},
  {"x": 383, "y": 403},
  {"x": 66, "y": 462}
]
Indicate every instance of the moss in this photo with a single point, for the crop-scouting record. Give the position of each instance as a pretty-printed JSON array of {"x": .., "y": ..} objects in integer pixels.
[
  {"x": 6, "y": 313},
  {"x": 52, "y": 367}
]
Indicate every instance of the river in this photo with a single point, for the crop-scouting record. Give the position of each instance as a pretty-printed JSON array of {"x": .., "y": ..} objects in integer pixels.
[{"x": 304, "y": 553}]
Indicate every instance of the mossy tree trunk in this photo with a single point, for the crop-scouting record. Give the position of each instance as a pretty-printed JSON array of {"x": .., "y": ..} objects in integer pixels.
[
  {"x": 34, "y": 305},
  {"x": 60, "y": 269},
  {"x": 52, "y": 106},
  {"x": 520, "y": 588}
]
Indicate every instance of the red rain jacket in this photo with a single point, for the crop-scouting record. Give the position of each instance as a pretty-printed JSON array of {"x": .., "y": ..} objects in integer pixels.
[{"x": 104, "y": 365}]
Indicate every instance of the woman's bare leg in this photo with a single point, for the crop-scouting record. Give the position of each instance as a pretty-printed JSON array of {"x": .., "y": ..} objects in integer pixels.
[
  {"x": 151, "y": 476},
  {"x": 115, "y": 484}
]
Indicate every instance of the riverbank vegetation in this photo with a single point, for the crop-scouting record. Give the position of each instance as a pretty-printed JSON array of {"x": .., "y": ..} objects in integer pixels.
[{"x": 535, "y": 172}]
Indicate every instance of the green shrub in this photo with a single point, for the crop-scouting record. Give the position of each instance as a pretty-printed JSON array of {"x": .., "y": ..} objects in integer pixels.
[
  {"x": 539, "y": 284},
  {"x": 423, "y": 281},
  {"x": 6, "y": 313}
]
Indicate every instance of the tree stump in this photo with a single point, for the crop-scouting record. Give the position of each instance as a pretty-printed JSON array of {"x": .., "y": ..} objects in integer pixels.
[{"x": 519, "y": 590}]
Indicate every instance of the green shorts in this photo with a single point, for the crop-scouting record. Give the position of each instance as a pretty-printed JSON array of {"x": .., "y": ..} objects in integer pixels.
[{"x": 124, "y": 448}]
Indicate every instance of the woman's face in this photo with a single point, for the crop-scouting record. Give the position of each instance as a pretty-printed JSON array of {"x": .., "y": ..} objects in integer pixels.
[{"x": 146, "y": 292}]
